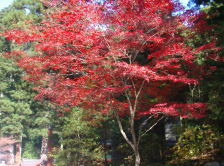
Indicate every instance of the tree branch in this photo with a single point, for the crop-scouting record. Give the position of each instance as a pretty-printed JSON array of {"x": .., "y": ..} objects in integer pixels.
[
  {"x": 142, "y": 125},
  {"x": 150, "y": 128},
  {"x": 122, "y": 130}
]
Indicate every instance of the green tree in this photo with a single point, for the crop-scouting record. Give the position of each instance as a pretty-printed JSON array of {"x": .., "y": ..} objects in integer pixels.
[
  {"x": 79, "y": 141},
  {"x": 20, "y": 114},
  {"x": 213, "y": 86},
  {"x": 204, "y": 138}
]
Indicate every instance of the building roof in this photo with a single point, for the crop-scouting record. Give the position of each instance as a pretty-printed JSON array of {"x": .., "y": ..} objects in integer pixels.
[{"x": 7, "y": 141}]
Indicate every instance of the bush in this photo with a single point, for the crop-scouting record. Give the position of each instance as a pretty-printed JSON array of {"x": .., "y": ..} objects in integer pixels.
[
  {"x": 29, "y": 151},
  {"x": 198, "y": 142}
]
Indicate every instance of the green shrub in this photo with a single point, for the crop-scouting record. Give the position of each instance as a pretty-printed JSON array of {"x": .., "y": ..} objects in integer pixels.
[
  {"x": 29, "y": 151},
  {"x": 198, "y": 141}
]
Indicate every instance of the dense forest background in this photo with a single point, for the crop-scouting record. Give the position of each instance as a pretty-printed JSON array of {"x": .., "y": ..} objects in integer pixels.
[{"x": 77, "y": 137}]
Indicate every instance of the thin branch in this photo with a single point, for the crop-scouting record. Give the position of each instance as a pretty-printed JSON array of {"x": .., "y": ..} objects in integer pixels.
[
  {"x": 192, "y": 90},
  {"x": 150, "y": 128},
  {"x": 133, "y": 84},
  {"x": 142, "y": 125},
  {"x": 143, "y": 43},
  {"x": 122, "y": 130},
  {"x": 140, "y": 89},
  {"x": 137, "y": 95},
  {"x": 129, "y": 102}
]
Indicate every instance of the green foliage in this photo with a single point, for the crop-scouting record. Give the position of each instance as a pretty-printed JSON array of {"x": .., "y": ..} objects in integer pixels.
[
  {"x": 211, "y": 90},
  {"x": 14, "y": 99},
  {"x": 21, "y": 12},
  {"x": 80, "y": 143},
  {"x": 16, "y": 95},
  {"x": 198, "y": 142},
  {"x": 20, "y": 114},
  {"x": 30, "y": 151}
]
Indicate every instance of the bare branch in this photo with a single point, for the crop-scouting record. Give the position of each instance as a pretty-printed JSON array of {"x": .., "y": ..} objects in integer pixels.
[
  {"x": 192, "y": 89},
  {"x": 122, "y": 130},
  {"x": 150, "y": 128},
  {"x": 140, "y": 89},
  {"x": 142, "y": 125},
  {"x": 137, "y": 95},
  {"x": 129, "y": 102}
]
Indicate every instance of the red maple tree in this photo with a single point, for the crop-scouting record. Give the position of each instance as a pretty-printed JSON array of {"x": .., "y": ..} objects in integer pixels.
[{"x": 123, "y": 57}]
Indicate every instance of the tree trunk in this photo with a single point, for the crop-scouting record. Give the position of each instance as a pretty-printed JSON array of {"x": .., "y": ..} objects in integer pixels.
[
  {"x": 137, "y": 158},
  {"x": 44, "y": 146},
  {"x": 133, "y": 143},
  {"x": 43, "y": 153},
  {"x": 49, "y": 159},
  {"x": 18, "y": 149}
]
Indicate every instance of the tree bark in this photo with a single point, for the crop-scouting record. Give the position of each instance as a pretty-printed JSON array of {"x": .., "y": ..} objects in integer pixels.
[
  {"x": 44, "y": 146},
  {"x": 137, "y": 158},
  {"x": 133, "y": 143},
  {"x": 43, "y": 153},
  {"x": 49, "y": 147}
]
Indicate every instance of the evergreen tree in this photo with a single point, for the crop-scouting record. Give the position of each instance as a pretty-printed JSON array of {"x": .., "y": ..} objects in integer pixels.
[
  {"x": 80, "y": 141},
  {"x": 213, "y": 86},
  {"x": 20, "y": 115},
  {"x": 195, "y": 135}
]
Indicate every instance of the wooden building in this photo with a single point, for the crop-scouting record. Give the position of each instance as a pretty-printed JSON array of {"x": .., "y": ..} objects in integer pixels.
[{"x": 10, "y": 151}]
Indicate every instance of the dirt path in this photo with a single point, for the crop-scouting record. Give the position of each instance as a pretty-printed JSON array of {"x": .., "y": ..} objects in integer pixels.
[{"x": 30, "y": 162}]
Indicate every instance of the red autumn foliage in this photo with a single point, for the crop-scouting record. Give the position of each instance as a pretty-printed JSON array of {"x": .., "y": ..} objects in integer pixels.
[
  {"x": 125, "y": 56},
  {"x": 117, "y": 55}
]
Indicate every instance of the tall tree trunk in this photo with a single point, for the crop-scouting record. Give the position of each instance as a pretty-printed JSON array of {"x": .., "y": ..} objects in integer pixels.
[
  {"x": 137, "y": 158},
  {"x": 44, "y": 146},
  {"x": 49, "y": 159},
  {"x": 133, "y": 143},
  {"x": 43, "y": 153}
]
